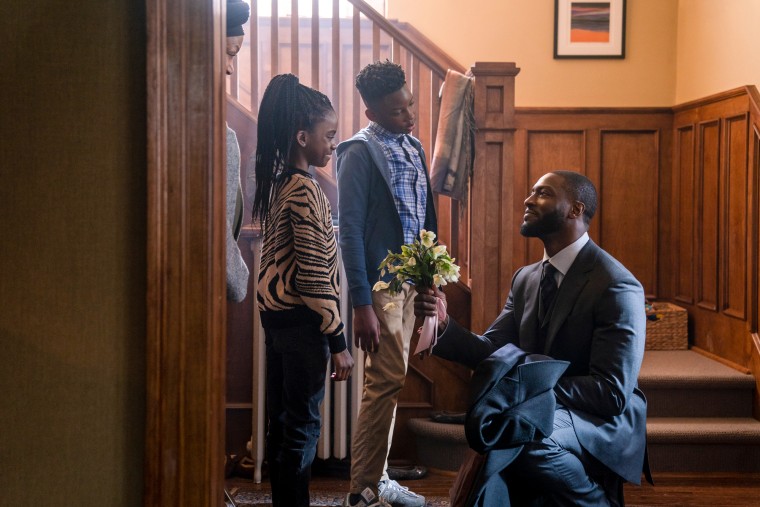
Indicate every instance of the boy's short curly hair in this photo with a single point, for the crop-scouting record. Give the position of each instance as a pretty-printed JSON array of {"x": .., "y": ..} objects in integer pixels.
[{"x": 379, "y": 79}]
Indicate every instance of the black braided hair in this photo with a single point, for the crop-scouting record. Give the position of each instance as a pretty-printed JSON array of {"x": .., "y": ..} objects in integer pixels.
[
  {"x": 286, "y": 107},
  {"x": 379, "y": 79}
]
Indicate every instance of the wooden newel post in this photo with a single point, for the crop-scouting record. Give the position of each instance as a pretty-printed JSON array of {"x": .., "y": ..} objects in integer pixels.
[{"x": 493, "y": 223}]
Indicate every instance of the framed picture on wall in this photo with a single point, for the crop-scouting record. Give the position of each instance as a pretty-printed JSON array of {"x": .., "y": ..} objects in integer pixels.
[{"x": 589, "y": 29}]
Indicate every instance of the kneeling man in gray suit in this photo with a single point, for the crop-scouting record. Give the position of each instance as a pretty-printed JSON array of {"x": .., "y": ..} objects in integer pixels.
[{"x": 582, "y": 306}]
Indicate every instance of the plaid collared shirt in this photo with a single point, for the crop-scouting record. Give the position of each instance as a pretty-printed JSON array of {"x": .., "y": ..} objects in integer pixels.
[{"x": 407, "y": 178}]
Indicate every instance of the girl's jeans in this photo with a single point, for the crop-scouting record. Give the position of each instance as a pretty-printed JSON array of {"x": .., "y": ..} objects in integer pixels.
[{"x": 296, "y": 368}]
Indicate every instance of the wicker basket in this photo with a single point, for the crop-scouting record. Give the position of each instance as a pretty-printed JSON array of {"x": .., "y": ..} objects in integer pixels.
[{"x": 669, "y": 331}]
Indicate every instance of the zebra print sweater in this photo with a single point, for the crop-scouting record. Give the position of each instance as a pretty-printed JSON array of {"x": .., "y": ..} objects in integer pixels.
[{"x": 298, "y": 278}]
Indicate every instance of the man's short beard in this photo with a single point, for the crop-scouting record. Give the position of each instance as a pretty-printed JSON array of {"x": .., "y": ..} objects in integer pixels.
[{"x": 544, "y": 226}]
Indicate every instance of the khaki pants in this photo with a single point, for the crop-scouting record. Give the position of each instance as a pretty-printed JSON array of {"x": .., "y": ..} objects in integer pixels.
[{"x": 384, "y": 375}]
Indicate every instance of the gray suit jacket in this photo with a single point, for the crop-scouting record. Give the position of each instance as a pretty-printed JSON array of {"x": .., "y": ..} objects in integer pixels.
[{"x": 598, "y": 325}]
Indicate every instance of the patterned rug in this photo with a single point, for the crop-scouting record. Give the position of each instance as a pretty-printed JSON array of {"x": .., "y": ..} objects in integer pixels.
[{"x": 249, "y": 498}]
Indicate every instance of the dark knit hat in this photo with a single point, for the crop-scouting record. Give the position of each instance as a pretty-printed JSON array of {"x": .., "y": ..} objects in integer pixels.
[{"x": 237, "y": 15}]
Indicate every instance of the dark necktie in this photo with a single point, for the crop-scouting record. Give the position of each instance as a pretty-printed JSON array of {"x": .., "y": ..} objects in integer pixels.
[{"x": 547, "y": 291}]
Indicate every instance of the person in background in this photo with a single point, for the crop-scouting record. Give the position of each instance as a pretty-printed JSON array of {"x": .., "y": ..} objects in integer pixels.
[
  {"x": 237, "y": 271},
  {"x": 384, "y": 200},
  {"x": 298, "y": 286},
  {"x": 579, "y": 305}
]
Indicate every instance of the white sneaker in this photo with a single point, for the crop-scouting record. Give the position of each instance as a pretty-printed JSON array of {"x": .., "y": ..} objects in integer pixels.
[
  {"x": 368, "y": 499},
  {"x": 399, "y": 496}
]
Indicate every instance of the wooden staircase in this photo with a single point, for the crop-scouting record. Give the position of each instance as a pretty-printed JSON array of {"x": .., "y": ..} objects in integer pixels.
[
  {"x": 699, "y": 419},
  {"x": 699, "y": 414}
]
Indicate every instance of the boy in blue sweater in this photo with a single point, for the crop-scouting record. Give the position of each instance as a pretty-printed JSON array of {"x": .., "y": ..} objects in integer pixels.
[{"x": 384, "y": 200}]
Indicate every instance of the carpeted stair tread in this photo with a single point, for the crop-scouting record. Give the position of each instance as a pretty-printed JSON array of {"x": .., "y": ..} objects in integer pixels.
[
  {"x": 739, "y": 430},
  {"x": 440, "y": 446},
  {"x": 441, "y": 431},
  {"x": 683, "y": 383},
  {"x": 687, "y": 369}
]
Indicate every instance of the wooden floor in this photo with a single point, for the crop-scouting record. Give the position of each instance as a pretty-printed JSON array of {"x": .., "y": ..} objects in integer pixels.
[{"x": 692, "y": 490}]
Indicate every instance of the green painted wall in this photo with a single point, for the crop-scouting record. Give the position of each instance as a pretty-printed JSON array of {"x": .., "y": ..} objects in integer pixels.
[{"x": 72, "y": 252}]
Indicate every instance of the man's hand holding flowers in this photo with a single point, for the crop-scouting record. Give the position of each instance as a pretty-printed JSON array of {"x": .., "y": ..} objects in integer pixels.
[
  {"x": 428, "y": 266},
  {"x": 426, "y": 305}
]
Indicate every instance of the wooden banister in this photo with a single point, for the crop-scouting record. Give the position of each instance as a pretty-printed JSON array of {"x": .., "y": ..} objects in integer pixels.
[
  {"x": 427, "y": 47},
  {"x": 326, "y": 50},
  {"x": 412, "y": 40}
]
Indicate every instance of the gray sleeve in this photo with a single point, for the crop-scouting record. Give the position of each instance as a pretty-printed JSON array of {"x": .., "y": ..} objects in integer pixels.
[
  {"x": 237, "y": 271},
  {"x": 462, "y": 346},
  {"x": 616, "y": 353}
]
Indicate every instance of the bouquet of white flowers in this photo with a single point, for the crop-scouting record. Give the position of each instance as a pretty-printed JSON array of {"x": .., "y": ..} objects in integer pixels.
[{"x": 426, "y": 264}]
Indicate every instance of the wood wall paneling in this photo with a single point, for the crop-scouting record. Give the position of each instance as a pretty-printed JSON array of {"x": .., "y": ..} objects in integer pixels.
[
  {"x": 735, "y": 207},
  {"x": 593, "y": 170},
  {"x": 708, "y": 214},
  {"x": 724, "y": 199},
  {"x": 489, "y": 231},
  {"x": 684, "y": 209},
  {"x": 508, "y": 220},
  {"x": 521, "y": 184},
  {"x": 616, "y": 148},
  {"x": 549, "y": 151},
  {"x": 754, "y": 245},
  {"x": 698, "y": 167},
  {"x": 667, "y": 230},
  {"x": 421, "y": 393},
  {"x": 628, "y": 204}
]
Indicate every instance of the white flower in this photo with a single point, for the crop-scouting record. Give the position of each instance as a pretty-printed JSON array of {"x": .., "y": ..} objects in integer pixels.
[
  {"x": 381, "y": 285},
  {"x": 411, "y": 262},
  {"x": 427, "y": 238},
  {"x": 438, "y": 251},
  {"x": 451, "y": 273},
  {"x": 390, "y": 306},
  {"x": 439, "y": 280}
]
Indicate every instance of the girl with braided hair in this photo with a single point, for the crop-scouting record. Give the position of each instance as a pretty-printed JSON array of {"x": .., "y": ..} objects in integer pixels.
[{"x": 298, "y": 280}]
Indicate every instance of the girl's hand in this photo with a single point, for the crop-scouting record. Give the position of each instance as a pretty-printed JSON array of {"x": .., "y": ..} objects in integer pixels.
[{"x": 343, "y": 364}]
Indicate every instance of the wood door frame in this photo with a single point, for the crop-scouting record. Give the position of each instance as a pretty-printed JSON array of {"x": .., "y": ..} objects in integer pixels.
[{"x": 186, "y": 296}]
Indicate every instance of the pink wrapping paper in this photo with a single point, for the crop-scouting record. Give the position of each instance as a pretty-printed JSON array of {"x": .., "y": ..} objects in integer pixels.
[{"x": 429, "y": 329}]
